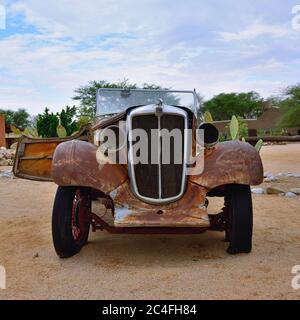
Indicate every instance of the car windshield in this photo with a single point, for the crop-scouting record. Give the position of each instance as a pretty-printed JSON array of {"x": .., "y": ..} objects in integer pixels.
[{"x": 111, "y": 101}]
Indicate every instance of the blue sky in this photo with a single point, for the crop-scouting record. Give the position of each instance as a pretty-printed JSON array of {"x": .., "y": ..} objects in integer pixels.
[{"x": 49, "y": 48}]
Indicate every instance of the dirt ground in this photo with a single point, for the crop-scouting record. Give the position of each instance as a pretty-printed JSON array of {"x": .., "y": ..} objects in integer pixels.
[{"x": 150, "y": 267}]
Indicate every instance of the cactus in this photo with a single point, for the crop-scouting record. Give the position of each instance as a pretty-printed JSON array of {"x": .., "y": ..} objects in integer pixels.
[
  {"x": 29, "y": 132},
  {"x": 34, "y": 133},
  {"x": 237, "y": 126},
  {"x": 258, "y": 145},
  {"x": 61, "y": 131},
  {"x": 26, "y": 132},
  {"x": 234, "y": 128},
  {"x": 15, "y": 130},
  {"x": 208, "y": 117},
  {"x": 14, "y": 146}
]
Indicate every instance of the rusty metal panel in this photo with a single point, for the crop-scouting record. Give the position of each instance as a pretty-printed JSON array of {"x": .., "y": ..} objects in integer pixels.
[
  {"x": 189, "y": 211},
  {"x": 110, "y": 121},
  {"x": 230, "y": 162},
  {"x": 126, "y": 217},
  {"x": 99, "y": 224},
  {"x": 75, "y": 164},
  {"x": 34, "y": 156}
]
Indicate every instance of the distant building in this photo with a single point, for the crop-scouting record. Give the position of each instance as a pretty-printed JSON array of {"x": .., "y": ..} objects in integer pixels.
[
  {"x": 7, "y": 138},
  {"x": 2, "y": 131},
  {"x": 267, "y": 122}
]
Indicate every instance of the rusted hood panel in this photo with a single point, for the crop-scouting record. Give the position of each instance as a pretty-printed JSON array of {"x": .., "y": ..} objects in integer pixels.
[
  {"x": 231, "y": 162},
  {"x": 75, "y": 164}
]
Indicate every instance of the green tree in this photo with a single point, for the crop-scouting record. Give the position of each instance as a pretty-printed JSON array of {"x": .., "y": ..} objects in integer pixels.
[
  {"x": 68, "y": 119},
  {"x": 19, "y": 118},
  {"x": 290, "y": 106},
  {"x": 225, "y": 105},
  {"x": 46, "y": 124}
]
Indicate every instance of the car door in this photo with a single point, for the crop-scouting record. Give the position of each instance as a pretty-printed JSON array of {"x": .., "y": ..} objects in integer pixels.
[{"x": 33, "y": 159}]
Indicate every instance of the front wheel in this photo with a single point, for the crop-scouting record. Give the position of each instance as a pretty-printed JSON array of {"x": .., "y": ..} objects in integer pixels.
[
  {"x": 70, "y": 220},
  {"x": 238, "y": 203}
]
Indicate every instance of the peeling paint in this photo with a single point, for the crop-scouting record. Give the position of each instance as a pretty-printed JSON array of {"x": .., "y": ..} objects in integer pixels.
[
  {"x": 122, "y": 212},
  {"x": 75, "y": 163},
  {"x": 230, "y": 162},
  {"x": 113, "y": 194},
  {"x": 131, "y": 212}
]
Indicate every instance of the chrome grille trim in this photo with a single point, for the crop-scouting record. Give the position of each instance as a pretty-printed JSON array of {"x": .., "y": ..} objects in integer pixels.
[
  {"x": 150, "y": 110},
  {"x": 159, "y": 157}
]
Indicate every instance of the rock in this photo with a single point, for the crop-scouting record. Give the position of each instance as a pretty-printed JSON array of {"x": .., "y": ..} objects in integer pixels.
[
  {"x": 5, "y": 162},
  {"x": 6, "y": 156},
  {"x": 272, "y": 190},
  {"x": 268, "y": 175},
  {"x": 282, "y": 174},
  {"x": 7, "y": 174},
  {"x": 258, "y": 190},
  {"x": 290, "y": 195},
  {"x": 279, "y": 175},
  {"x": 295, "y": 190},
  {"x": 271, "y": 179},
  {"x": 288, "y": 175},
  {"x": 293, "y": 175}
]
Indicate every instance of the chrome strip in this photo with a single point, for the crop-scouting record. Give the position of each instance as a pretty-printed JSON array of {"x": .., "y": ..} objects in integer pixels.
[
  {"x": 159, "y": 157},
  {"x": 147, "y": 110}
]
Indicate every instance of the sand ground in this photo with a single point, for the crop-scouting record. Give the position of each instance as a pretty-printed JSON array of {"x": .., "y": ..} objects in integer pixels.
[{"x": 150, "y": 267}]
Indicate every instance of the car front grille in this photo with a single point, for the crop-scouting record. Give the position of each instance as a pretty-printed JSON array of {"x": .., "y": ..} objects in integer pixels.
[{"x": 159, "y": 182}]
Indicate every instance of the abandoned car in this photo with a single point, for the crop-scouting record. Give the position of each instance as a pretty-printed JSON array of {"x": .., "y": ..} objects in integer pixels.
[{"x": 144, "y": 186}]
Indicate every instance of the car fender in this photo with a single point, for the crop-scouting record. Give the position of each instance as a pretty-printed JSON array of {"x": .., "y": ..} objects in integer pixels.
[
  {"x": 228, "y": 163},
  {"x": 75, "y": 164}
]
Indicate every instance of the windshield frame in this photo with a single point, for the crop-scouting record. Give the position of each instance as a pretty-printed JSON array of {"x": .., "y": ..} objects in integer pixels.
[{"x": 194, "y": 93}]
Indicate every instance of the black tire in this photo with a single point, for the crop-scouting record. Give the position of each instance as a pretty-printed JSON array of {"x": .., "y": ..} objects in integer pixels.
[
  {"x": 63, "y": 221},
  {"x": 240, "y": 219}
]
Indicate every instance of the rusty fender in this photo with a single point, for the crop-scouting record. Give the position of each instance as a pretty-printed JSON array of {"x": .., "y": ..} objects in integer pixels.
[
  {"x": 75, "y": 164},
  {"x": 230, "y": 162}
]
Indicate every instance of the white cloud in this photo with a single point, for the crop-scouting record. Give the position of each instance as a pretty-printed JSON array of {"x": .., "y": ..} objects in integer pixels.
[
  {"x": 69, "y": 43},
  {"x": 255, "y": 30},
  {"x": 92, "y": 17}
]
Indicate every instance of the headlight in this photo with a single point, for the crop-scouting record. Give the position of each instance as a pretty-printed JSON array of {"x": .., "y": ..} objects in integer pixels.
[{"x": 211, "y": 134}]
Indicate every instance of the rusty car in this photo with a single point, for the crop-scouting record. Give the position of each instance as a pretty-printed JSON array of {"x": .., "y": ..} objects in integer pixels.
[{"x": 144, "y": 197}]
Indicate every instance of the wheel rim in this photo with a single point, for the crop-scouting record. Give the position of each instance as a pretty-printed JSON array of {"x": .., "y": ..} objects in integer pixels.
[{"x": 80, "y": 216}]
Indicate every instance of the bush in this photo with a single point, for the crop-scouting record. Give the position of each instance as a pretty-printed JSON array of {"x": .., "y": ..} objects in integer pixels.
[{"x": 48, "y": 122}]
